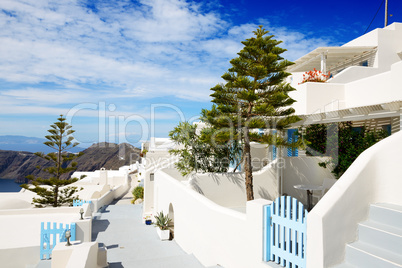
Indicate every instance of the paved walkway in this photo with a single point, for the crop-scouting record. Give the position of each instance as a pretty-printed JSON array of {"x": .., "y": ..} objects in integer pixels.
[{"x": 131, "y": 243}]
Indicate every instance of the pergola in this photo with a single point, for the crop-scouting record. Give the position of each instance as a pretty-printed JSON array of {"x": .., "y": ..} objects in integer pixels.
[
  {"x": 390, "y": 109},
  {"x": 327, "y": 58}
]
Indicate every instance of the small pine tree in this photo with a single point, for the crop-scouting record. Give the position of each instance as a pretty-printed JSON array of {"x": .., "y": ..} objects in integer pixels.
[
  {"x": 49, "y": 189},
  {"x": 255, "y": 95}
]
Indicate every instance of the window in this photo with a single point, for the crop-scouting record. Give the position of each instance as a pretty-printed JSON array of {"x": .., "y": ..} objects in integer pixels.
[
  {"x": 151, "y": 177},
  {"x": 387, "y": 128},
  {"x": 364, "y": 63}
]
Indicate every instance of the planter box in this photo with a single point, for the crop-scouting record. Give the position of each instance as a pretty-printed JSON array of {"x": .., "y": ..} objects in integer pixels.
[{"x": 163, "y": 234}]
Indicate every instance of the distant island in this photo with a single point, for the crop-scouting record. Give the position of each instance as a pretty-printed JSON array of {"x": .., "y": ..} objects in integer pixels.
[{"x": 18, "y": 164}]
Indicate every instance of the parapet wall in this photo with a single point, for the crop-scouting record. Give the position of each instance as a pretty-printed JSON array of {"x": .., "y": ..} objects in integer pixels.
[
  {"x": 199, "y": 223},
  {"x": 374, "y": 177}
]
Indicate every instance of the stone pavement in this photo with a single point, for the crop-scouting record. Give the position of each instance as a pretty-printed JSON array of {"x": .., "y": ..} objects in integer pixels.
[{"x": 131, "y": 243}]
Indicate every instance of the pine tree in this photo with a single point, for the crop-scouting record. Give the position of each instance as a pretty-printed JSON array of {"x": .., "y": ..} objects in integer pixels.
[
  {"x": 61, "y": 141},
  {"x": 255, "y": 95}
]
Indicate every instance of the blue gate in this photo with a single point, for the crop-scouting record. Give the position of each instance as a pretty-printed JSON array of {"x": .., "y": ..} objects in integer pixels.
[
  {"x": 285, "y": 230},
  {"x": 49, "y": 239},
  {"x": 78, "y": 202}
]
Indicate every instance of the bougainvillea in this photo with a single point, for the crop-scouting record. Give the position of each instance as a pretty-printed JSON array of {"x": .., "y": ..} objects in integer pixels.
[{"x": 315, "y": 76}]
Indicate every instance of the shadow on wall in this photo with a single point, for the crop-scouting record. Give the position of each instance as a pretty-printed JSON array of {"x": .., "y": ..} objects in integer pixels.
[
  {"x": 303, "y": 170},
  {"x": 263, "y": 193},
  {"x": 229, "y": 190},
  {"x": 99, "y": 226},
  {"x": 197, "y": 181}
]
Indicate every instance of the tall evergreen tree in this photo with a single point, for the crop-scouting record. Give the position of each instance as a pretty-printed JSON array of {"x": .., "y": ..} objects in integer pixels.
[
  {"x": 61, "y": 141},
  {"x": 255, "y": 95}
]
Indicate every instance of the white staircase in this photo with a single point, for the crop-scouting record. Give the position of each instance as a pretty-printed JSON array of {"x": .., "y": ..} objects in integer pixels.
[{"x": 380, "y": 239}]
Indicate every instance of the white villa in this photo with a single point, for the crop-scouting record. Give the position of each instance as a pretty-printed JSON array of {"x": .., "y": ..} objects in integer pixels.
[
  {"x": 20, "y": 223},
  {"x": 356, "y": 220},
  {"x": 357, "y": 223}
]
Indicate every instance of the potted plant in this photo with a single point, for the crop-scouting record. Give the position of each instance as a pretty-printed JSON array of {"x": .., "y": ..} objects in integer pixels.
[
  {"x": 147, "y": 219},
  {"x": 162, "y": 222},
  {"x": 315, "y": 76}
]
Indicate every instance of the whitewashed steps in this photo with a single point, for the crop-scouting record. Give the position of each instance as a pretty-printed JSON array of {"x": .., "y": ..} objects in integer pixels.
[
  {"x": 381, "y": 235},
  {"x": 345, "y": 265},
  {"x": 387, "y": 213},
  {"x": 366, "y": 255},
  {"x": 43, "y": 264},
  {"x": 380, "y": 239}
]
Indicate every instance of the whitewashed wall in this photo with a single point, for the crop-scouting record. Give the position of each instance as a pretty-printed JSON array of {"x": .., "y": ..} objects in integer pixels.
[
  {"x": 228, "y": 189},
  {"x": 373, "y": 178},
  {"x": 315, "y": 97},
  {"x": 154, "y": 161},
  {"x": 384, "y": 87},
  {"x": 303, "y": 170},
  {"x": 20, "y": 233},
  {"x": 214, "y": 234}
]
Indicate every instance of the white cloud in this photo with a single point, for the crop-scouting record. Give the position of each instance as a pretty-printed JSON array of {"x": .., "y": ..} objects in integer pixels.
[
  {"x": 118, "y": 50},
  {"x": 170, "y": 21}
]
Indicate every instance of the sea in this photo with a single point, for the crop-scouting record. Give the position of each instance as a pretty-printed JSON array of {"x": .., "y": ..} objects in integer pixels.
[{"x": 9, "y": 186}]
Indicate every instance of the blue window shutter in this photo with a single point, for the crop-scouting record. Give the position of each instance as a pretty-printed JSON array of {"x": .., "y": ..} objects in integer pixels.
[
  {"x": 273, "y": 148},
  {"x": 290, "y": 132},
  {"x": 292, "y": 138}
]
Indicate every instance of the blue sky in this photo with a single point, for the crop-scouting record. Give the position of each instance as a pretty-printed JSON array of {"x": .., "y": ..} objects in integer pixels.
[{"x": 124, "y": 70}]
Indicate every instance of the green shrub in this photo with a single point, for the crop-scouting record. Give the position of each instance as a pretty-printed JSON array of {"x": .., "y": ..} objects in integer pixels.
[
  {"x": 138, "y": 193},
  {"x": 340, "y": 141}
]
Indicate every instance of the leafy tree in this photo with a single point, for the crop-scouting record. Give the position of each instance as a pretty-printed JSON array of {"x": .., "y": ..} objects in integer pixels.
[
  {"x": 341, "y": 142},
  {"x": 61, "y": 141},
  {"x": 255, "y": 95},
  {"x": 138, "y": 193},
  {"x": 197, "y": 153}
]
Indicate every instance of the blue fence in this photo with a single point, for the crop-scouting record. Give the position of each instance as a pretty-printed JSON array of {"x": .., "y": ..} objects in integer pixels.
[
  {"x": 49, "y": 237},
  {"x": 285, "y": 230},
  {"x": 78, "y": 203}
]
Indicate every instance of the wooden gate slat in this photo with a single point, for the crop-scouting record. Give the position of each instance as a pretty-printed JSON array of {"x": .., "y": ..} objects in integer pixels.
[{"x": 287, "y": 228}]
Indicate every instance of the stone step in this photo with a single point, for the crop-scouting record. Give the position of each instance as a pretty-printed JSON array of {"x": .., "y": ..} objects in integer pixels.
[
  {"x": 388, "y": 214},
  {"x": 345, "y": 265},
  {"x": 381, "y": 235},
  {"x": 366, "y": 255},
  {"x": 44, "y": 264}
]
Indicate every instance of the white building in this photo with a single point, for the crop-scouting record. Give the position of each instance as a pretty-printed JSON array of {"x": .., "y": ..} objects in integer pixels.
[
  {"x": 20, "y": 222},
  {"x": 212, "y": 218},
  {"x": 365, "y": 86}
]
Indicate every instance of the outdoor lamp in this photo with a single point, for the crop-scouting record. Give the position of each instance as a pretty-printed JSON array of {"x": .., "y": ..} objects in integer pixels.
[
  {"x": 68, "y": 235},
  {"x": 81, "y": 212}
]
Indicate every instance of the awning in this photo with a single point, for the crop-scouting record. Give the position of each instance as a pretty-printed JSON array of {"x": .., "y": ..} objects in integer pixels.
[
  {"x": 334, "y": 56},
  {"x": 389, "y": 109}
]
